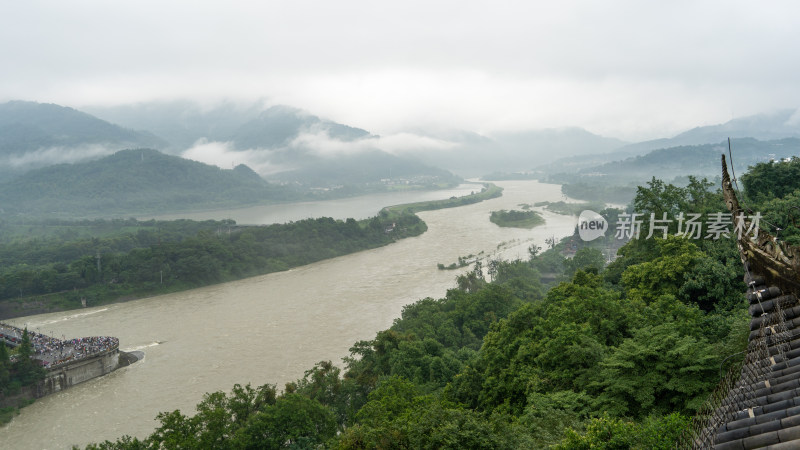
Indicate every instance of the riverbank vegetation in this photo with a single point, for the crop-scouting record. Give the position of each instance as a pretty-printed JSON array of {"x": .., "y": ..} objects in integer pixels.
[
  {"x": 570, "y": 209},
  {"x": 516, "y": 219},
  {"x": 17, "y": 371},
  {"x": 488, "y": 191},
  {"x": 61, "y": 268},
  {"x": 54, "y": 264},
  {"x": 618, "y": 355},
  {"x": 463, "y": 261}
]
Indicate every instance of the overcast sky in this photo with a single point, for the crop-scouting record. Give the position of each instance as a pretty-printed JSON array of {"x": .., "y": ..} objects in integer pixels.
[{"x": 633, "y": 69}]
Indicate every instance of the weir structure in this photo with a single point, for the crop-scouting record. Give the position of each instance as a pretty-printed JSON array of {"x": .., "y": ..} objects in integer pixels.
[
  {"x": 757, "y": 405},
  {"x": 67, "y": 362}
]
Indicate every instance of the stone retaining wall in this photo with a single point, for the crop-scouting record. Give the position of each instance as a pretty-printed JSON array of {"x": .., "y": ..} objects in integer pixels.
[{"x": 70, "y": 374}]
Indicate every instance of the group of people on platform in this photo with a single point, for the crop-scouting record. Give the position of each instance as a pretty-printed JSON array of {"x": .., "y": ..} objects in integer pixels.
[
  {"x": 52, "y": 351},
  {"x": 90, "y": 345}
]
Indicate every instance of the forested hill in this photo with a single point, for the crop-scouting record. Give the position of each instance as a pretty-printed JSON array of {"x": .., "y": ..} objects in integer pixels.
[
  {"x": 30, "y": 126},
  {"x": 133, "y": 181}
]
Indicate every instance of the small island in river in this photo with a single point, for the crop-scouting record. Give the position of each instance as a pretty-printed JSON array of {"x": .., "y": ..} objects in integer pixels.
[{"x": 516, "y": 219}]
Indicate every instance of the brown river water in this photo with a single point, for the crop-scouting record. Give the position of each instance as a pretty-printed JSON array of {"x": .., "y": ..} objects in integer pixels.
[{"x": 266, "y": 329}]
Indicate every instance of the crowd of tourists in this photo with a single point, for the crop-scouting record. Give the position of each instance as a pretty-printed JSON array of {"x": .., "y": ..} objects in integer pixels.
[
  {"x": 91, "y": 345},
  {"x": 51, "y": 351}
]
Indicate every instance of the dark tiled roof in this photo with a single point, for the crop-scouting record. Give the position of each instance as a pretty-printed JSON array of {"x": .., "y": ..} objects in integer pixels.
[
  {"x": 763, "y": 409},
  {"x": 758, "y": 404}
]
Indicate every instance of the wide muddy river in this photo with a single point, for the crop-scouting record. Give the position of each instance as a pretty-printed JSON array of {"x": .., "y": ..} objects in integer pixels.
[{"x": 266, "y": 329}]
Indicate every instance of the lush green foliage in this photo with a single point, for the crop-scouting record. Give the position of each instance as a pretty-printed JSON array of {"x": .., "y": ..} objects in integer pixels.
[
  {"x": 589, "y": 259},
  {"x": 654, "y": 433},
  {"x": 781, "y": 217},
  {"x": 772, "y": 179},
  {"x": 516, "y": 219},
  {"x": 247, "y": 418},
  {"x": 21, "y": 371},
  {"x": 773, "y": 189}
]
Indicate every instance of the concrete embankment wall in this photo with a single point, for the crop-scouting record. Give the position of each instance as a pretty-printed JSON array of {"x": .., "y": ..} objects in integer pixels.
[
  {"x": 72, "y": 373},
  {"x": 69, "y": 374}
]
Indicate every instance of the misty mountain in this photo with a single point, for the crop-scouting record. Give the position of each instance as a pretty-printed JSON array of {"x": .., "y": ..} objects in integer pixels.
[
  {"x": 474, "y": 154},
  {"x": 286, "y": 136},
  {"x": 246, "y": 125},
  {"x": 279, "y": 125},
  {"x": 573, "y": 164},
  {"x": 765, "y": 127},
  {"x": 134, "y": 181},
  {"x": 294, "y": 139},
  {"x": 30, "y": 126},
  {"x": 557, "y": 142},
  {"x": 38, "y": 134},
  {"x": 311, "y": 151},
  {"x": 282, "y": 138},
  {"x": 319, "y": 153},
  {"x": 182, "y": 122},
  {"x": 368, "y": 168},
  {"x": 289, "y": 139},
  {"x": 701, "y": 160}
]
